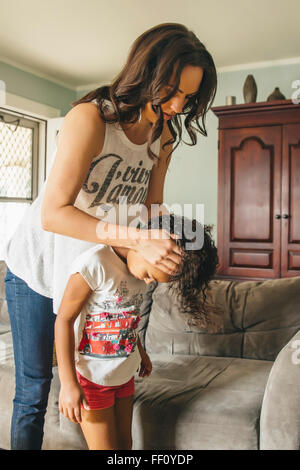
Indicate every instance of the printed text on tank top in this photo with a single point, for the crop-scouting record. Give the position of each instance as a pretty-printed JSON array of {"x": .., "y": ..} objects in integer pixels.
[{"x": 116, "y": 183}]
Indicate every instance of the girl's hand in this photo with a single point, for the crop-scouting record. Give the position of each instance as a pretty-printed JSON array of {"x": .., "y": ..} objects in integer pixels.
[
  {"x": 70, "y": 398},
  {"x": 160, "y": 249},
  {"x": 146, "y": 365}
]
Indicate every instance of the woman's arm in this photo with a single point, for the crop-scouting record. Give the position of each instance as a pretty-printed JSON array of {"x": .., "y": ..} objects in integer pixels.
[
  {"x": 81, "y": 138},
  {"x": 75, "y": 295},
  {"x": 155, "y": 194}
]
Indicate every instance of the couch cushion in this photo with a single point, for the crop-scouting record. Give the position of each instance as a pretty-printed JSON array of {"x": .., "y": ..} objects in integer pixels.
[
  {"x": 259, "y": 318},
  {"x": 192, "y": 402},
  {"x": 280, "y": 415}
]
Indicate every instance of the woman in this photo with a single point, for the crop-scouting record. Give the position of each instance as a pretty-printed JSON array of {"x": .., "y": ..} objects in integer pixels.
[{"x": 112, "y": 152}]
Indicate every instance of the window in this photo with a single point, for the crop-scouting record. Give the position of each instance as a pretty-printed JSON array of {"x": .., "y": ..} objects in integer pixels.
[
  {"x": 20, "y": 141},
  {"x": 18, "y": 158}
]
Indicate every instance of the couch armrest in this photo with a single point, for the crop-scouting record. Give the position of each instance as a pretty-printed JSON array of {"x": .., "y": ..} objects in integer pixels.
[{"x": 280, "y": 414}]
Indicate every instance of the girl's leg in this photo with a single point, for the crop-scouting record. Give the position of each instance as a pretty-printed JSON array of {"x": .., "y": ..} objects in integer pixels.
[
  {"x": 32, "y": 323},
  {"x": 98, "y": 427},
  {"x": 123, "y": 416}
]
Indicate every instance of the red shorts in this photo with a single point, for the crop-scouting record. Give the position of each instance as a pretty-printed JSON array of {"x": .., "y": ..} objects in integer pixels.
[{"x": 100, "y": 396}]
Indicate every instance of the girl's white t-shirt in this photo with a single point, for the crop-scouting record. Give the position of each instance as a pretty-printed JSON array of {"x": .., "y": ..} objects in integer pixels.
[{"x": 106, "y": 351}]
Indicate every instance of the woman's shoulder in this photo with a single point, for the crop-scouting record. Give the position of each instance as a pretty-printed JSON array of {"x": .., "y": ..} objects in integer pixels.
[
  {"x": 88, "y": 112},
  {"x": 86, "y": 120}
]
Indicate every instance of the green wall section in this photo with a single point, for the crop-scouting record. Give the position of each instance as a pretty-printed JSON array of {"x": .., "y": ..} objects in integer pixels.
[
  {"x": 192, "y": 176},
  {"x": 30, "y": 86},
  {"x": 267, "y": 78}
]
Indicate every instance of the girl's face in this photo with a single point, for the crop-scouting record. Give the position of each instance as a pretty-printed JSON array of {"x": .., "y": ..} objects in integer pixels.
[
  {"x": 140, "y": 268},
  {"x": 190, "y": 80}
]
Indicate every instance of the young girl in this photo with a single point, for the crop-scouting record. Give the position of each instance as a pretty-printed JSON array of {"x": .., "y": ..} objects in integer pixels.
[{"x": 98, "y": 319}]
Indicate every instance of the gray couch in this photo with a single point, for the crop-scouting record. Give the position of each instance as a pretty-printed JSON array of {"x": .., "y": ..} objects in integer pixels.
[{"x": 239, "y": 389}]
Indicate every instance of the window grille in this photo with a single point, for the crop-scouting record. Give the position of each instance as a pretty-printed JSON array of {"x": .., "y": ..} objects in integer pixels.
[{"x": 18, "y": 158}]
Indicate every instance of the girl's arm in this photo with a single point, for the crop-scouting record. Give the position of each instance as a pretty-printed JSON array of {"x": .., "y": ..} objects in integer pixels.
[
  {"x": 146, "y": 364},
  {"x": 71, "y": 396}
]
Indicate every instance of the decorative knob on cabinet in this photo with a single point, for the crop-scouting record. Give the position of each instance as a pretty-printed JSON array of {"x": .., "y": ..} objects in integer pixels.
[
  {"x": 285, "y": 216},
  {"x": 277, "y": 216}
]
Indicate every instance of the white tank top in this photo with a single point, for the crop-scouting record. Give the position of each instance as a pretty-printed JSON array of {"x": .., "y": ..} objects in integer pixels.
[{"x": 41, "y": 258}]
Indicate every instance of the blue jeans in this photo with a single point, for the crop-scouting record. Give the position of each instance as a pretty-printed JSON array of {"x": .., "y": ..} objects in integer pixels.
[{"x": 32, "y": 324}]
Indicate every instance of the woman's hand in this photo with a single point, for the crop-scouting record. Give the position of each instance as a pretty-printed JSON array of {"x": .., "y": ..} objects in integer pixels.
[
  {"x": 160, "y": 249},
  {"x": 71, "y": 397}
]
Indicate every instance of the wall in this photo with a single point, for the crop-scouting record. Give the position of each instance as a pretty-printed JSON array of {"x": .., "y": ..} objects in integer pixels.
[
  {"x": 30, "y": 86},
  {"x": 193, "y": 172}
]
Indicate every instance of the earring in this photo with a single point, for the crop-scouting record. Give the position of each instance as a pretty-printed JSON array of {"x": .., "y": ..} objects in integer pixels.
[{"x": 140, "y": 114}]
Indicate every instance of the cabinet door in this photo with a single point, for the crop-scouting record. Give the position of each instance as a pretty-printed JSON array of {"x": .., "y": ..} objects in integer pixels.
[
  {"x": 290, "y": 253},
  {"x": 249, "y": 200}
]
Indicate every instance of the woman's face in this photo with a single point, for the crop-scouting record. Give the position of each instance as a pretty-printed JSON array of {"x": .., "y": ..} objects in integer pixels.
[{"x": 190, "y": 80}]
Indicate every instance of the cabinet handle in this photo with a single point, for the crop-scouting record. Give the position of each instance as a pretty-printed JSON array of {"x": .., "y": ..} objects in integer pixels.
[
  {"x": 285, "y": 216},
  {"x": 277, "y": 216}
]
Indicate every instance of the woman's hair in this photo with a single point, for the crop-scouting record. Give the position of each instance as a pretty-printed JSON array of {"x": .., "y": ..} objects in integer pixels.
[
  {"x": 198, "y": 266},
  {"x": 150, "y": 64}
]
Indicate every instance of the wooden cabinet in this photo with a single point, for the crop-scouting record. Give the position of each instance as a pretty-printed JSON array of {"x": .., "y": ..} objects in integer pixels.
[{"x": 259, "y": 190}]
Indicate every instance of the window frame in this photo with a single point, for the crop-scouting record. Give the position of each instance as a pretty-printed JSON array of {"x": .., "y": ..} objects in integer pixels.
[{"x": 29, "y": 122}]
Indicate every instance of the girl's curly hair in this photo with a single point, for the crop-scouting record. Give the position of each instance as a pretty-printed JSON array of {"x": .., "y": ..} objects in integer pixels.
[{"x": 190, "y": 283}]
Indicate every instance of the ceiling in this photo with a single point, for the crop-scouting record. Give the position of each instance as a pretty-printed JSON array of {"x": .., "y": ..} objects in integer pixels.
[{"x": 80, "y": 44}]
